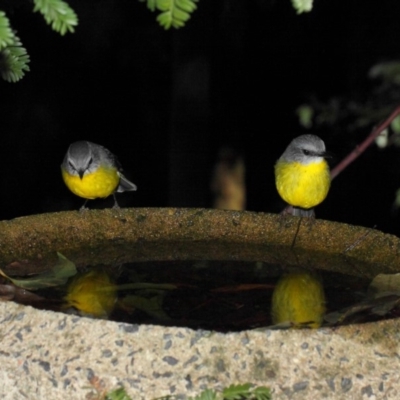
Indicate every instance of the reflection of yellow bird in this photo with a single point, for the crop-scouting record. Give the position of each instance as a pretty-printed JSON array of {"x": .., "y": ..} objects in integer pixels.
[
  {"x": 92, "y": 293},
  {"x": 298, "y": 298},
  {"x": 91, "y": 171},
  {"x": 302, "y": 175}
]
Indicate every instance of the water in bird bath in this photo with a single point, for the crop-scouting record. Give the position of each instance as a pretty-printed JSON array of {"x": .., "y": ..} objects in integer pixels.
[{"x": 213, "y": 295}]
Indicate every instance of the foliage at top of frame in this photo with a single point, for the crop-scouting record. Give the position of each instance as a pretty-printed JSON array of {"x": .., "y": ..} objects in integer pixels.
[
  {"x": 58, "y": 14},
  {"x": 302, "y": 5},
  {"x": 14, "y": 58},
  {"x": 174, "y": 13},
  {"x": 14, "y": 61},
  {"x": 62, "y": 18},
  {"x": 6, "y": 33}
]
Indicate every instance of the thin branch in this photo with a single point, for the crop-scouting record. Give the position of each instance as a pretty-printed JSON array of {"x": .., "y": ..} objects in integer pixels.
[{"x": 364, "y": 145}]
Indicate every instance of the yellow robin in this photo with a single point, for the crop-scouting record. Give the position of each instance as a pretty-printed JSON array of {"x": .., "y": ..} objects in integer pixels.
[
  {"x": 91, "y": 171},
  {"x": 302, "y": 174}
]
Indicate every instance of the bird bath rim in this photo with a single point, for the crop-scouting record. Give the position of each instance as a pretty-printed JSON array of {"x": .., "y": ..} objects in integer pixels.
[{"x": 116, "y": 236}]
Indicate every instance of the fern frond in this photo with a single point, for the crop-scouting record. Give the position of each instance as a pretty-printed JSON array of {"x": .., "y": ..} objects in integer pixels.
[
  {"x": 185, "y": 5},
  {"x": 302, "y": 5},
  {"x": 175, "y": 13},
  {"x": 6, "y": 33},
  {"x": 58, "y": 14},
  {"x": 234, "y": 392},
  {"x": 14, "y": 61},
  {"x": 262, "y": 393},
  {"x": 207, "y": 394},
  {"x": 151, "y": 4}
]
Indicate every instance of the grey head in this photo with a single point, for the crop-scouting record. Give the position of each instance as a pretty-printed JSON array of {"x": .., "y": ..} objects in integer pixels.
[
  {"x": 85, "y": 157},
  {"x": 305, "y": 149}
]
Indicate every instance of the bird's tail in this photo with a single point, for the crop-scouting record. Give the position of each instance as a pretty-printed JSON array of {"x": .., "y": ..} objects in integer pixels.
[{"x": 125, "y": 185}]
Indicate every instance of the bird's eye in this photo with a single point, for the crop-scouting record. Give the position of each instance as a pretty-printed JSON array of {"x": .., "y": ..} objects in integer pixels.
[
  {"x": 90, "y": 161},
  {"x": 306, "y": 152},
  {"x": 71, "y": 165}
]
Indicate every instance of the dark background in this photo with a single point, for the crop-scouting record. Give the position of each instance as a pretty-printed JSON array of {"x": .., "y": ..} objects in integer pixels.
[{"x": 166, "y": 101}]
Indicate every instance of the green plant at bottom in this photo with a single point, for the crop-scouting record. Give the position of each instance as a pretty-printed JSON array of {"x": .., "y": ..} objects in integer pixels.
[{"x": 245, "y": 391}]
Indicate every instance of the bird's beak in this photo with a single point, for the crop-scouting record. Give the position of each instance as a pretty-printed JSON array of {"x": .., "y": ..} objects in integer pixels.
[
  {"x": 327, "y": 154},
  {"x": 80, "y": 173}
]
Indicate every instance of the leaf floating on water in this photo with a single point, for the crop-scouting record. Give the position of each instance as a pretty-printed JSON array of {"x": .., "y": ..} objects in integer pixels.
[
  {"x": 383, "y": 283},
  {"x": 151, "y": 306},
  {"x": 387, "y": 305},
  {"x": 19, "y": 295},
  {"x": 58, "y": 275},
  {"x": 7, "y": 292},
  {"x": 380, "y": 306}
]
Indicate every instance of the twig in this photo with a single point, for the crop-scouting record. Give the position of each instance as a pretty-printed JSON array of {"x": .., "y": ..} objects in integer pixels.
[{"x": 364, "y": 145}]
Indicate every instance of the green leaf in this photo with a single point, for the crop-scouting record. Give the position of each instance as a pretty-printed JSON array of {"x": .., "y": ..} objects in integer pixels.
[
  {"x": 13, "y": 63},
  {"x": 7, "y": 36},
  {"x": 164, "y": 5},
  {"x": 262, "y": 393},
  {"x": 14, "y": 58},
  {"x": 151, "y": 4},
  {"x": 237, "y": 392},
  {"x": 388, "y": 71},
  {"x": 382, "y": 139},
  {"x": 175, "y": 13},
  {"x": 58, "y": 275},
  {"x": 118, "y": 394},
  {"x": 233, "y": 392},
  {"x": 305, "y": 112},
  {"x": 395, "y": 124},
  {"x": 302, "y": 5},
  {"x": 207, "y": 394},
  {"x": 58, "y": 14},
  {"x": 185, "y": 5},
  {"x": 151, "y": 306}
]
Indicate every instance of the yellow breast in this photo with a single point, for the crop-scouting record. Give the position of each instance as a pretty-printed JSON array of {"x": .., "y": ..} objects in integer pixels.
[
  {"x": 101, "y": 183},
  {"x": 299, "y": 298},
  {"x": 301, "y": 185}
]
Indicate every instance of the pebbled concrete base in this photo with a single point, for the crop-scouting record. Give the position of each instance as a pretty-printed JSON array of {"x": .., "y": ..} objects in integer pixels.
[{"x": 48, "y": 355}]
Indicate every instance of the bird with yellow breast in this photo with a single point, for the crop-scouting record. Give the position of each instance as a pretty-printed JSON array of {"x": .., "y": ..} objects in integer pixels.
[
  {"x": 91, "y": 171},
  {"x": 302, "y": 174}
]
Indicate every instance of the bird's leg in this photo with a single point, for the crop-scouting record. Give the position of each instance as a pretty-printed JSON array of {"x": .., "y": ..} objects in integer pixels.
[
  {"x": 303, "y": 212},
  {"x": 307, "y": 213},
  {"x": 84, "y": 208},
  {"x": 116, "y": 205},
  {"x": 298, "y": 211}
]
